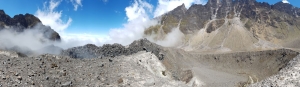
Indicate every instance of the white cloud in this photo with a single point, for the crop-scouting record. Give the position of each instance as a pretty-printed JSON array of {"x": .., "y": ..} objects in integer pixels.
[
  {"x": 80, "y": 39},
  {"x": 138, "y": 15},
  {"x": 76, "y": 3},
  {"x": 52, "y": 18},
  {"x": 172, "y": 39},
  {"x": 138, "y": 20},
  {"x": 285, "y": 1},
  {"x": 138, "y": 9},
  {"x": 168, "y": 5},
  {"x": 30, "y": 38}
]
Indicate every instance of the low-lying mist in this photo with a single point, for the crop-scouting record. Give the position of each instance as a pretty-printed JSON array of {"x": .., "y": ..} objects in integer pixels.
[
  {"x": 140, "y": 15},
  {"x": 26, "y": 42},
  {"x": 172, "y": 39}
]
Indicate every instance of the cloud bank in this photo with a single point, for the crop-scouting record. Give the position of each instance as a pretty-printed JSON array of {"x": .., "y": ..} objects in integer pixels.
[
  {"x": 139, "y": 17},
  {"x": 138, "y": 20}
]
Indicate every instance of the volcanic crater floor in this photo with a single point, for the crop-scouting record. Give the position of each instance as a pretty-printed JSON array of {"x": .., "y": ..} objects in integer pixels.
[{"x": 177, "y": 68}]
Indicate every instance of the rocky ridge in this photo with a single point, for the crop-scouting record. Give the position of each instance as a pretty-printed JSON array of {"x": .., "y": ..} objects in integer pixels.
[{"x": 113, "y": 50}]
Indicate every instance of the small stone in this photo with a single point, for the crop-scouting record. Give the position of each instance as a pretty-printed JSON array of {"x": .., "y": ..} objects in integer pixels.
[
  {"x": 54, "y": 65},
  {"x": 4, "y": 77},
  {"x": 68, "y": 83},
  {"x": 19, "y": 78},
  {"x": 16, "y": 74},
  {"x": 120, "y": 81}
]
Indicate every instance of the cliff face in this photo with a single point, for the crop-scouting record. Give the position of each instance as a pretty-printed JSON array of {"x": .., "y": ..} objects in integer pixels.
[
  {"x": 21, "y": 22},
  {"x": 251, "y": 22}
]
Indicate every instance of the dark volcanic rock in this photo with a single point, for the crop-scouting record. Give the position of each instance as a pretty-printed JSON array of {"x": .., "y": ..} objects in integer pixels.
[
  {"x": 22, "y": 22},
  {"x": 108, "y": 50},
  {"x": 86, "y": 51},
  {"x": 197, "y": 16}
]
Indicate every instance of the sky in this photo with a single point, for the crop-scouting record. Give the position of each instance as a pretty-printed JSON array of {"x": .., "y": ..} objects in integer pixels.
[{"x": 100, "y": 21}]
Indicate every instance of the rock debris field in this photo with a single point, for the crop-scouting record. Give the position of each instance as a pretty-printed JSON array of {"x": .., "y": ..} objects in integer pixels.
[{"x": 146, "y": 64}]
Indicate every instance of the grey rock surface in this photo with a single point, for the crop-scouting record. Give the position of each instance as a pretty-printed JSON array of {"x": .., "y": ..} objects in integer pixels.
[
  {"x": 136, "y": 70},
  {"x": 287, "y": 77},
  {"x": 143, "y": 68},
  {"x": 108, "y": 50}
]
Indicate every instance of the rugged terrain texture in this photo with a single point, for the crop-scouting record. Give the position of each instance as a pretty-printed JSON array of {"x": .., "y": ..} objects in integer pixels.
[
  {"x": 232, "y": 25},
  {"x": 141, "y": 66},
  {"x": 108, "y": 50},
  {"x": 287, "y": 77},
  {"x": 20, "y": 23},
  {"x": 226, "y": 43}
]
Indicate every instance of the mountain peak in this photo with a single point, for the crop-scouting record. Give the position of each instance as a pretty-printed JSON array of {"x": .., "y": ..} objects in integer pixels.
[
  {"x": 179, "y": 9},
  {"x": 240, "y": 18},
  {"x": 22, "y": 22},
  {"x": 2, "y": 11}
]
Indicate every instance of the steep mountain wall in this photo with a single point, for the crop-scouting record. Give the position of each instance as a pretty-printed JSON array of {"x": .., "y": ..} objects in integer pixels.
[{"x": 235, "y": 25}]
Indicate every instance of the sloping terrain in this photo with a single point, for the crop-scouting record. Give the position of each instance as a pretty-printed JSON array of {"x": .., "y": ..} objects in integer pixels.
[
  {"x": 229, "y": 69},
  {"x": 231, "y": 25},
  {"x": 140, "y": 69},
  {"x": 172, "y": 67}
]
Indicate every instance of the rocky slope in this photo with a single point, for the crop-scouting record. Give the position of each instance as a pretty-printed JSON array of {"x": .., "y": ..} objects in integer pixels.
[
  {"x": 20, "y": 23},
  {"x": 108, "y": 50},
  {"x": 141, "y": 66},
  {"x": 231, "y": 25}
]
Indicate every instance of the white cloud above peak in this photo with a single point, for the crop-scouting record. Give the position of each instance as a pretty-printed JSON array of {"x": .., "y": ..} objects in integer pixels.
[
  {"x": 285, "y": 1},
  {"x": 52, "y": 18},
  {"x": 168, "y": 5},
  {"x": 76, "y": 4}
]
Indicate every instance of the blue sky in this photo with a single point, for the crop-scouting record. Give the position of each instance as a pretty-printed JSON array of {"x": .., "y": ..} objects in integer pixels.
[
  {"x": 92, "y": 16},
  {"x": 99, "y": 18}
]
